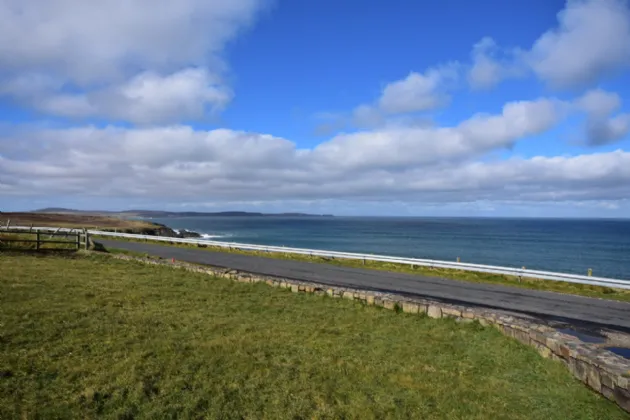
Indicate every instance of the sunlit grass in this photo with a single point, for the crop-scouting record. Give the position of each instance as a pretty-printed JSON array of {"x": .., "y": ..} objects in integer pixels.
[{"x": 93, "y": 337}]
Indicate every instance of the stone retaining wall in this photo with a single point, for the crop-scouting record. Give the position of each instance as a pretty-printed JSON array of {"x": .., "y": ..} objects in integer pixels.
[{"x": 600, "y": 369}]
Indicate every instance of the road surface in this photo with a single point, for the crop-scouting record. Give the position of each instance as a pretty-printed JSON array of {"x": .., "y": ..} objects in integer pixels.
[{"x": 608, "y": 313}]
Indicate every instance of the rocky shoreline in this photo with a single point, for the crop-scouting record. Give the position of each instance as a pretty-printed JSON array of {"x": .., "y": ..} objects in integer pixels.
[{"x": 160, "y": 230}]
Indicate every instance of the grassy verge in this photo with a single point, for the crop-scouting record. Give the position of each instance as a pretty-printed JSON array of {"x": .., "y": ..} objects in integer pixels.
[
  {"x": 88, "y": 337},
  {"x": 469, "y": 276}
]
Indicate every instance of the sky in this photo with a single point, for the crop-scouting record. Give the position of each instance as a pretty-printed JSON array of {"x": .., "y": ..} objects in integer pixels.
[{"x": 515, "y": 108}]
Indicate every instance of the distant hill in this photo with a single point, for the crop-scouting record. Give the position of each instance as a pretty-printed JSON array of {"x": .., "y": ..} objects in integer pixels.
[{"x": 165, "y": 214}]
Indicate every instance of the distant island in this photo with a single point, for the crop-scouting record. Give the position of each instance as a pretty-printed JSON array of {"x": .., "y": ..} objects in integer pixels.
[{"x": 166, "y": 214}]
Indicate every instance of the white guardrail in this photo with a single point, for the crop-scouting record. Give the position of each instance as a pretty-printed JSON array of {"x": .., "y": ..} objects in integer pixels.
[{"x": 517, "y": 272}]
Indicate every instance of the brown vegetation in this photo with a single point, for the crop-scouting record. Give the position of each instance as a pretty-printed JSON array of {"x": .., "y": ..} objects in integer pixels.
[{"x": 74, "y": 221}]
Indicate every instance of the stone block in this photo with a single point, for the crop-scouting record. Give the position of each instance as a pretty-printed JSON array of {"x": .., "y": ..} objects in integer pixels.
[
  {"x": 542, "y": 350},
  {"x": 389, "y": 304},
  {"x": 434, "y": 311},
  {"x": 410, "y": 308},
  {"x": 607, "y": 379},
  {"x": 565, "y": 351},
  {"x": 622, "y": 397},
  {"x": 507, "y": 330},
  {"x": 592, "y": 376},
  {"x": 608, "y": 393},
  {"x": 553, "y": 344},
  {"x": 295, "y": 288},
  {"x": 522, "y": 336},
  {"x": 369, "y": 299},
  {"x": 348, "y": 295},
  {"x": 578, "y": 369},
  {"x": 451, "y": 312},
  {"x": 468, "y": 314},
  {"x": 538, "y": 337}
]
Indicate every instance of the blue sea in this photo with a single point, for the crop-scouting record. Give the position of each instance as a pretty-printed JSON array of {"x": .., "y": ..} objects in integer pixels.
[{"x": 563, "y": 245}]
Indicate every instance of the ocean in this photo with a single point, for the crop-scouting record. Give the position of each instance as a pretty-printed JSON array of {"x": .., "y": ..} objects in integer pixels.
[{"x": 562, "y": 245}]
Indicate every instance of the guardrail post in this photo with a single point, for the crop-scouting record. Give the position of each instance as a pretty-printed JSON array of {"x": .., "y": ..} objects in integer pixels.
[
  {"x": 458, "y": 260},
  {"x": 590, "y": 272}
]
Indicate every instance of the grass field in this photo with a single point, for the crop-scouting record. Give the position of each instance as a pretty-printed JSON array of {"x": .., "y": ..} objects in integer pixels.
[
  {"x": 470, "y": 276},
  {"x": 89, "y": 336}
]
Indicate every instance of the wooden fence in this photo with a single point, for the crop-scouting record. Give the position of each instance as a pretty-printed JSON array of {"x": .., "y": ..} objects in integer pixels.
[{"x": 75, "y": 239}]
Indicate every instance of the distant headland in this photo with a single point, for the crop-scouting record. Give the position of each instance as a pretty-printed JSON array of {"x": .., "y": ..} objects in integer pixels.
[{"x": 165, "y": 214}]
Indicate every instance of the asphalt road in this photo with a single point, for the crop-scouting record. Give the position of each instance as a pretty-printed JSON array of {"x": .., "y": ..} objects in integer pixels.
[{"x": 570, "y": 308}]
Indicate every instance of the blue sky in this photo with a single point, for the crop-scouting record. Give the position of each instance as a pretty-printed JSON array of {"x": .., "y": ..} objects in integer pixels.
[{"x": 400, "y": 107}]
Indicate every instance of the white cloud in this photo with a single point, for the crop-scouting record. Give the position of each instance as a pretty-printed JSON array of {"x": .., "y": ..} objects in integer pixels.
[
  {"x": 418, "y": 92},
  {"x": 599, "y": 103},
  {"x": 147, "y": 98},
  {"x": 592, "y": 39},
  {"x": 178, "y": 164},
  {"x": 146, "y": 59},
  {"x": 490, "y": 65},
  {"x": 602, "y": 128},
  {"x": 410, "y": 164},
  {"x": 607, "y": 131},
  {"x": 405, "y": 146},
  {"x": 367, "y": 116}
]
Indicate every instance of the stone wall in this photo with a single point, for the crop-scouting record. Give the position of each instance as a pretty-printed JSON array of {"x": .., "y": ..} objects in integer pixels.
[{"x": 600, "y": 369}]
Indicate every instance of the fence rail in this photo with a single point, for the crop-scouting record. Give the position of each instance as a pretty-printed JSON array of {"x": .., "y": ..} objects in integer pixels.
[
  {"x": 76, "y": 238},
  {"x": 509, "y": 271}
]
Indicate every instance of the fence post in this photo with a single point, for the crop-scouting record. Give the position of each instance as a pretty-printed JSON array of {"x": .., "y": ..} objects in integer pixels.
[
  {"x": 78, "y": 239},
  {"x": 87, "y": 239},
  {"x": 38, "y": 241}
]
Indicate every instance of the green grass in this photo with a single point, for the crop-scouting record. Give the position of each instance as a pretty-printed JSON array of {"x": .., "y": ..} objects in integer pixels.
[
  {"x": 468, "y": 276},
  {"x": 93, "y": 337}
]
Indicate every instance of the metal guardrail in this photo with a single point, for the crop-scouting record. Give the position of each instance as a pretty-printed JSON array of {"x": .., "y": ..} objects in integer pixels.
[{"x": 509, "y": 271}]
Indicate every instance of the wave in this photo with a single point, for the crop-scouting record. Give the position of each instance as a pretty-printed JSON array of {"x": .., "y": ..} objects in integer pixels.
[{"x": 213, "y": 236}]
